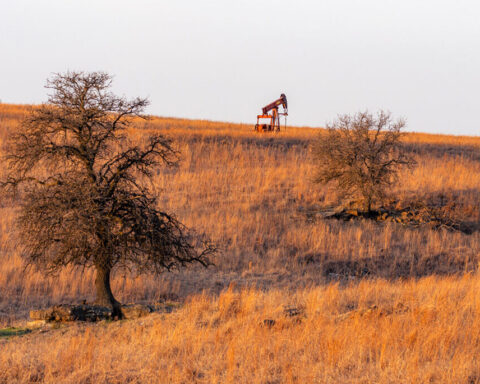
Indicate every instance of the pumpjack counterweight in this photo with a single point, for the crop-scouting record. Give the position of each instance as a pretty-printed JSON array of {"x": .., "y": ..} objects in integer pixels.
[{"x": 269, "y": 120}]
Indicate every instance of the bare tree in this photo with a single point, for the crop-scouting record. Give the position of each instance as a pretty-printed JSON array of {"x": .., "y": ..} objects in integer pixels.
[
  {"x": 361, "y": 154},
  {"x": 83, "y": 186}
]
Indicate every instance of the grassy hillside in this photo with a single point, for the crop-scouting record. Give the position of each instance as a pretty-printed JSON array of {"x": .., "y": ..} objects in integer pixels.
[
  {"x": 252, "y": 194},
  {"x": 374, "y": 332}
]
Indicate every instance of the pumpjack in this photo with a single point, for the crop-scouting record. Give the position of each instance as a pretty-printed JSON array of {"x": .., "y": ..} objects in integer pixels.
[{"x": 269, "y": 122}]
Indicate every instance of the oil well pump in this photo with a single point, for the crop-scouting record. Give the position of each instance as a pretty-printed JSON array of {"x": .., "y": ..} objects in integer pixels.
[{"x": 269, "y": 120}]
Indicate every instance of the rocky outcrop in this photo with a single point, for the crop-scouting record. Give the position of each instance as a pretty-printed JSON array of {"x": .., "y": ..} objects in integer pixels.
[
  {"x": 135, "y": 311},
  {"x": 84, "y": 312},
  {"x": 68, "y": 312},
  {"x": 431, "y": 216}
]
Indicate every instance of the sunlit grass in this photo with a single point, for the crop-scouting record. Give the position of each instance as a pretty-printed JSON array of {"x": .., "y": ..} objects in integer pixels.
[
  {"x": 376, "y": 331},
  {"x": 248, "y": 192}
]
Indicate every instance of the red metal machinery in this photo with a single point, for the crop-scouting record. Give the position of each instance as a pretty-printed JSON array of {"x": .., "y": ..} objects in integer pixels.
[{"x": 273, "y": 122}]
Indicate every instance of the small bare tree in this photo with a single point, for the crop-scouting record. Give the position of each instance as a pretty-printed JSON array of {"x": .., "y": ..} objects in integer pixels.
[
  {"x": 362, "y": 155},
  {"x": 83, "y": 186}
]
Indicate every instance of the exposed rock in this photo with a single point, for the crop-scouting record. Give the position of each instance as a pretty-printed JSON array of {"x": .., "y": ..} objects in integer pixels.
[
  {"x": 424, "y": 215},
  {"x": 36, "y": 324},
  {"x": 269, "y": 323},
  {"x": 292, "y": 311},
  {"x": 383, "y": 216},
  {"x": 164, "y": 307},
  {"x": 135, "y": 311},
  {"x": 68, "y": 312},
  {"x": 85, "y": 312}
]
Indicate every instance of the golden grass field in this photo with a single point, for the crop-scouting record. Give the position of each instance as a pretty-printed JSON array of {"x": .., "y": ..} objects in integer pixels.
[
  {"x": 413, "y": 318},
  {"x": 423, "y": 331}
]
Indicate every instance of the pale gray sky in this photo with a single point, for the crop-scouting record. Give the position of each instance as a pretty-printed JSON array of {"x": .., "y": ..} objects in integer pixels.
[{"x": 224, "y": 60}]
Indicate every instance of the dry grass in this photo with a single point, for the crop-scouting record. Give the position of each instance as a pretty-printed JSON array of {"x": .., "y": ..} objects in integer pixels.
[
  {"x": 374, "y": 332},
  {"x": 252, "y": 194}
]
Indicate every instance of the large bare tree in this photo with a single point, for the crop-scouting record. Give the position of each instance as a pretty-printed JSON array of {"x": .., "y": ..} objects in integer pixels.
[
  {"x": 83, "y": 186},
  {"x": 361, "y": 155}
]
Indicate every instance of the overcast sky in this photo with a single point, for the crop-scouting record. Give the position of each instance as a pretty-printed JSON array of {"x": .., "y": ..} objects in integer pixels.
[{"x": 224, "y": 60}]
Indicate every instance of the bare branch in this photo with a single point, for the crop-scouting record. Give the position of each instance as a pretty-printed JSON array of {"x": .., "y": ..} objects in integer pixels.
[
  {"x": 361, "y": 154},
  {"x": 82, "y": 202}
]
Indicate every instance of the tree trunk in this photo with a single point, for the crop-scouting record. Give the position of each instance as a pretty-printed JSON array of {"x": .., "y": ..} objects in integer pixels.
[
  {"x": 104, "y": 295},
  {"x": 368, "y": 205}
]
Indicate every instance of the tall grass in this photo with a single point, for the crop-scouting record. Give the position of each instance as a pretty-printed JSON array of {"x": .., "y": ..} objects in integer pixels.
[
  {"x": 251, "y": 193},
  {"x": 253, "y": 196},
  {"x": 424, "y": 331}
]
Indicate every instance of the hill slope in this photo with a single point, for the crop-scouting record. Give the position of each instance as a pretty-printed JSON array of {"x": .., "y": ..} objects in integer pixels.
[{"x": 251, "y": 193}]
